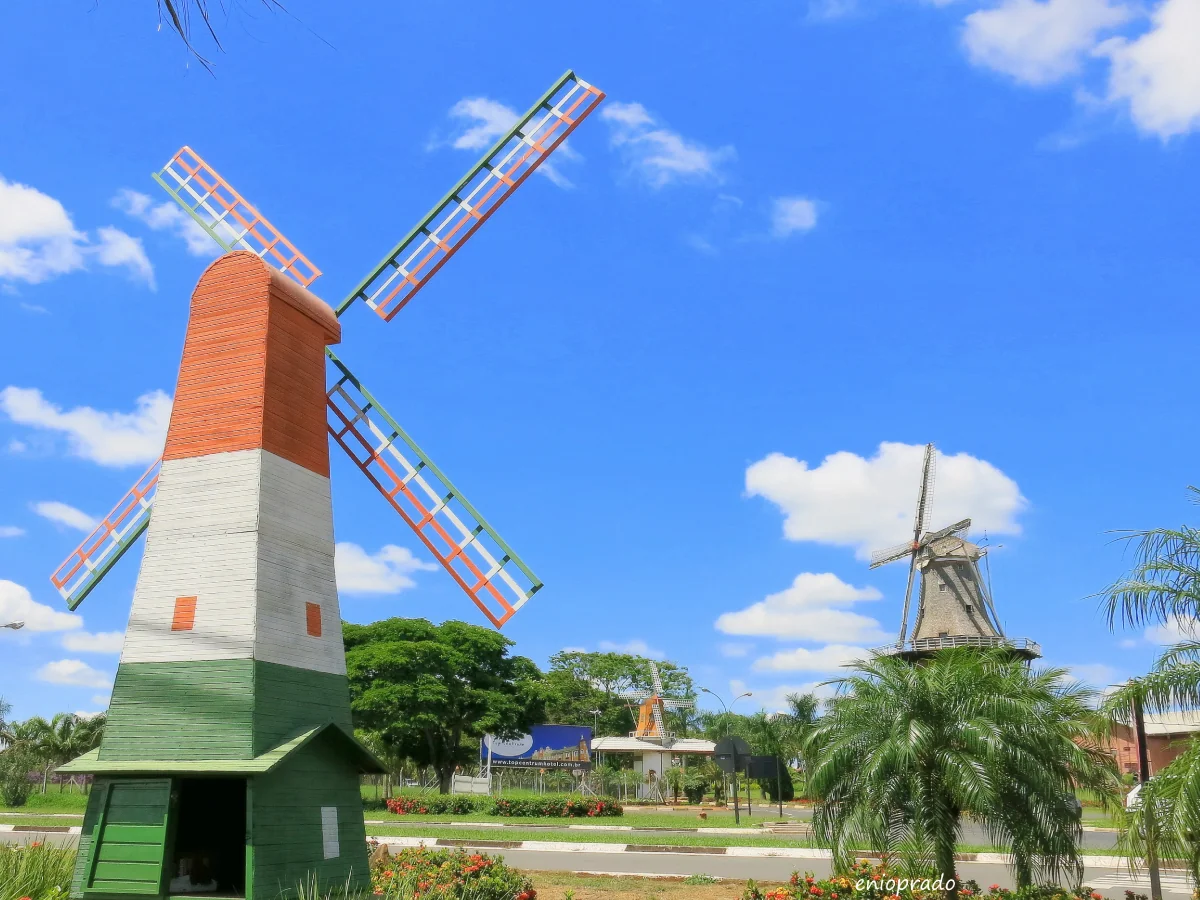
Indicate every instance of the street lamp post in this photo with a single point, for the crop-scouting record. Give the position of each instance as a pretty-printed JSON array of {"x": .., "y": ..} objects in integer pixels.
[{"x": 737, "y": 818}]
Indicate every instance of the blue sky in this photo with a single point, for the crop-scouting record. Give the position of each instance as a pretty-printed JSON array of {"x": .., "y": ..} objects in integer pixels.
[{"x": 689, "y": 374}]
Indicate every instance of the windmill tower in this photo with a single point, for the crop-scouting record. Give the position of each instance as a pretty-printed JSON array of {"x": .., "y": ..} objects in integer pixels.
[
  {"x": 651, "y": 729},
  {"x": 229, "y": 764},
  {"x": 954, "y": 605}
]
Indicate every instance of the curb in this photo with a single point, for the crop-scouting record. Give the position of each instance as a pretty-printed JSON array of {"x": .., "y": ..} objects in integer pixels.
[
  {"x": 1095, "y": 862},
  {"x": 639, "y": 829},
  {"x": 41, "y": 829}
]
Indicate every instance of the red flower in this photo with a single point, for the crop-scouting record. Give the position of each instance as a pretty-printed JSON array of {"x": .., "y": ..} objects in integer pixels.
[
  {"x": 994, "y": 887},
  {"x": 1096, "y": 895}
]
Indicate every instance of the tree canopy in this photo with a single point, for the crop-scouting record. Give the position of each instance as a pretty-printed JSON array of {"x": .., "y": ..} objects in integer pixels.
[{"x": 432, "y": 691}]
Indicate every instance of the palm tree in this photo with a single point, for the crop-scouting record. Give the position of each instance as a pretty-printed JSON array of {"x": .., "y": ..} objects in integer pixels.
[
  {"x": 906, "y": 751},
  {"x": 1163, "y": 588}
]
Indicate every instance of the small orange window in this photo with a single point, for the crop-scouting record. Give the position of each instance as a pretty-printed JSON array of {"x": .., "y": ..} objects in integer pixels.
[
  {"x": 312, "y": 615},
  {"x": 185, "y": 614}
]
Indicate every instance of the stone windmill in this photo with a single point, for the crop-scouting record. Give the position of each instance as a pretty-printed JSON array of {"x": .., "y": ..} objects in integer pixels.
[{"x": 954, "y": 605}]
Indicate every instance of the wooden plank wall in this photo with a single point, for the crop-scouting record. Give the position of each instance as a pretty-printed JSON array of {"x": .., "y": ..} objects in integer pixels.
[{"x": 287, "y": 821}]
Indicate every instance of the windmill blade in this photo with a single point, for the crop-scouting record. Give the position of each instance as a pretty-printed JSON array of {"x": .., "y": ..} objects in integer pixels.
[
  {"x": 658, "y": 719},
  {"x": 443, "y": 231},
  {"x": 82, "y": 570},
  {"x": 229, "y": 220},
  {"x": 958, "y": 528},
  {"x": 655, "y": 679},
  {"x": 925, "y": 496},
  {"x": 883, "y": 557},
  {"x": 912, "y": 571},
  {"x": 634, "y": 695},
  {"x": 678, "y": 704},
  {"x": 484, "y": 566}
]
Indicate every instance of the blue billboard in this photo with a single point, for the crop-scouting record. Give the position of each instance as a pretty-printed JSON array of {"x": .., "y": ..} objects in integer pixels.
[{"x": 544, "y": 747}]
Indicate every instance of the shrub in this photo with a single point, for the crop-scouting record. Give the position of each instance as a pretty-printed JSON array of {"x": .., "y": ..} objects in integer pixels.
[
  {"x": 418, "y": 873},
  {"x": 868, "y": 881},
  {"x": 549, "y": 806},
  {"x": 439, "y": 804},
  {"x": 38, "y": 871},
  {"x": 561, "y": 806}
]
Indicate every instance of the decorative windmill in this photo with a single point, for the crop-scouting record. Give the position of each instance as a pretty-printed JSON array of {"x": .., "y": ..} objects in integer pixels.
[
  {"x": 651, "y": 706},
  {"x": 954, "y": 607},
  {"x": 229, "y": 758}
]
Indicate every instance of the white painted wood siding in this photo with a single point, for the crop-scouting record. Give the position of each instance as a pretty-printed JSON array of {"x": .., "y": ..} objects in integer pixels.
[{"x": 250, "y": 535}]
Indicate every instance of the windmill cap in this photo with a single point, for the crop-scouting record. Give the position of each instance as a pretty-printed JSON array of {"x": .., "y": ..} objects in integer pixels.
[{"x": 291, "y": 292}]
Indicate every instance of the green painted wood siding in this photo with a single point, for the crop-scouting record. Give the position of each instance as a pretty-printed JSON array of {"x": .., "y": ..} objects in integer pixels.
[
  {"x": 216, "y": 709},
  {"x": 127, "y": 852},
  {"x": 286, "y": 828},
  {"x": 181, "y": 710},
  {"x": 287, "y": 699}
]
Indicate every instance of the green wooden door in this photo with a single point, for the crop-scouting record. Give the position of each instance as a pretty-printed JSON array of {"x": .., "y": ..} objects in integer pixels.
[{"x": 129, "y": 840}]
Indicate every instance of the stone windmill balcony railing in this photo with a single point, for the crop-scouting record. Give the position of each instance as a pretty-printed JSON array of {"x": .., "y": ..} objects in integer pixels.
[{"x": 1023, "y": 646}]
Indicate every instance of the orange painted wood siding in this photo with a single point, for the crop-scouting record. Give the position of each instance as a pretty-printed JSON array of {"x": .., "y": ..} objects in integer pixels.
[
  {"x": 253, "y": 369},
  {"x": 184, "y": 618}
]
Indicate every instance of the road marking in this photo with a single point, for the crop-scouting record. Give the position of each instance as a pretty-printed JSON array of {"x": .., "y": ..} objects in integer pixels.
[{"x": 1171, "y": 883}]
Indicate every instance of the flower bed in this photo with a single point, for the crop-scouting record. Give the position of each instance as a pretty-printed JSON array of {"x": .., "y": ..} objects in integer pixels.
[
  {"x": 868, "y": 881},
  {"x": 550, "y": 806},
  {"x": 421, "y": 874}
]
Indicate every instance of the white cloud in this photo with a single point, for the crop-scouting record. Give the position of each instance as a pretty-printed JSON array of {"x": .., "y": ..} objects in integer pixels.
[
  {"x": 74, "y": 672},
  {"x": 102, "y": 699},
  {"x": 635, "y": 647},
  {"x": 107, "y": 438},
  {"x": 39, "y": 241},
  {"x": 387, "y": 572},
  {"x": 1128, "y": 644},
  {"x": 62, "y": 514},
  {"x": 17, "y": 446},
  {"x": 87, "y": 642},
  {"x": 10, "y": 531},
  {"x": 116, "y": 248},
  {"x": 824, "y": 659},
  {"x": 484, "y": 121},
  {"x": 1158, "y": 74},
  {"x": 734, "y": 650},
  {"x": 868, "y": 504},
  {"x": 167, "y": 216},
  {"x": 792, "y": 214},
  {"x": 813, "y": 608},
  {"x": 18, "y": 605},
  {"x": 658, "y": 155},
  {"x": 1173, "y": 632},
  {"x": 1039, "y": 42},
  {"x": 1096, "y": 674}
]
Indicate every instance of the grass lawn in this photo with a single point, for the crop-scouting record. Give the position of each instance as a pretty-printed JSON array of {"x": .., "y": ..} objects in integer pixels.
[{"x": 52, "y": 802}]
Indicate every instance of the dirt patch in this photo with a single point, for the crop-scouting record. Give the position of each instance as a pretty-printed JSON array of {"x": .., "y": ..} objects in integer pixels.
[{"x": 554, "y": 886}]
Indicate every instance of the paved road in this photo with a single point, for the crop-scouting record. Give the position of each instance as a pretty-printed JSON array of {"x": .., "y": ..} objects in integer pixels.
[{"x": 1111, "y": 882}]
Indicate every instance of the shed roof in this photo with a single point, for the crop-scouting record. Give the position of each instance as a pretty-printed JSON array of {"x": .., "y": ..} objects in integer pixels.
[
  {"x": 636, "y": 745},
  {"x": 363, "y": 758}
]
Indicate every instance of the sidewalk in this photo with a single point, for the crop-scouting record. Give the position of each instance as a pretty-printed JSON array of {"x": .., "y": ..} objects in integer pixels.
[{"x": 1100, "y": 862}]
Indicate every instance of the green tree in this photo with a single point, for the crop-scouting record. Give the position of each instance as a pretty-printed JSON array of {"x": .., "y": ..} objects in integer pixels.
[
  {"x": 579, "y": 683},
  {"x": 1163, "y": 588},
  {"x": 906, "y": 751},
  {"x": 432, "y": 691}
]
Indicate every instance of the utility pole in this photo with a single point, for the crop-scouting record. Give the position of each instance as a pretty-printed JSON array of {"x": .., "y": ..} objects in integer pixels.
[{"x": 1139, "y": 727}]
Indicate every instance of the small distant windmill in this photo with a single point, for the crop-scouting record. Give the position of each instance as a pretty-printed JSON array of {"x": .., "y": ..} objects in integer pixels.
[
  {"x": 651, "y": 706},
  {"x": 954, "y": 606}
]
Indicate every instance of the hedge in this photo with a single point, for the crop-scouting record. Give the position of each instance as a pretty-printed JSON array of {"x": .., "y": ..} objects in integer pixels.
[{"x": 556, "y": 806}]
